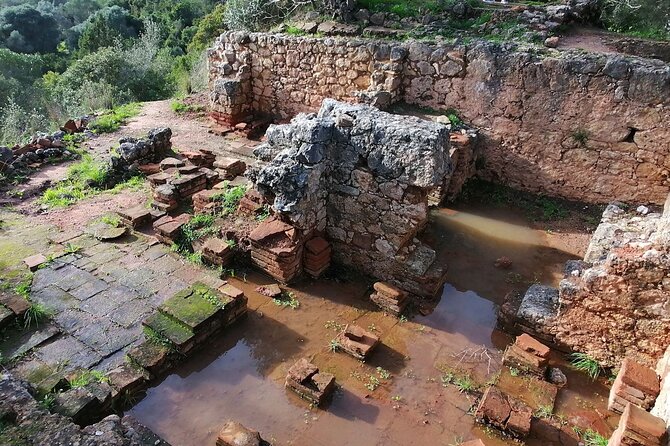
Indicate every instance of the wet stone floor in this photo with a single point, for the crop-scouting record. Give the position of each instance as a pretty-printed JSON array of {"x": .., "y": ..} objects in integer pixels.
[{"x": 417, "y": 388}]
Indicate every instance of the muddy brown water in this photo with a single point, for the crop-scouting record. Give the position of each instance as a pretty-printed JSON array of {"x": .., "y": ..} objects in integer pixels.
[{"x": 398, "y": 396}]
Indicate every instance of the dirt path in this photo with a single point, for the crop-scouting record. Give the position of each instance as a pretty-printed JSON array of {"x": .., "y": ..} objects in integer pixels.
[{"x": 189, "y": 132}]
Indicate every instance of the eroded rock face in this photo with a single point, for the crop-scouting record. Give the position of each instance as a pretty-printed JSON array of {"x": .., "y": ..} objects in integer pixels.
[{"x": 362, "y": 176}]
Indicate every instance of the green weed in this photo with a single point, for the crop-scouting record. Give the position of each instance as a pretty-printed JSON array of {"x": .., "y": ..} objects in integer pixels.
[
  {"x": 587, "y": 364},
  {"x": 35, "y": 314},
  {"x": 593, "y": 438},
  {"x": 48, "y": 401},
  {"x": 112, "y": 120},
  {"x": 333, "y": 345},
  {"x": 180, "y": 107},
  {"x": 87, "y": 377},
  {"x": 230, "y": 199},
  {"x": 581, "y": 136},
  {"x": 383, "y": 373},
  {"x": 287, "y": 300},
  {"x": 71, "y": 248},
  {"x": 544, "y": 412}
]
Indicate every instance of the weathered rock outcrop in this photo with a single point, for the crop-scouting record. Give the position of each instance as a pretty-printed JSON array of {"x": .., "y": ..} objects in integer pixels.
[
  {"x": 362, "y": 176},
  {"x": 615, "y": 304},
  {"x": 553, "y": 122}
]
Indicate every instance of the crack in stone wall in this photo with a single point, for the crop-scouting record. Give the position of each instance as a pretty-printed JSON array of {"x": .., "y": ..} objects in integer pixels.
[{"x": 552, "y": 123}]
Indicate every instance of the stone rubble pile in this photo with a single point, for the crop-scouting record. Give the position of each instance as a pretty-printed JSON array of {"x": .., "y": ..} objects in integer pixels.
[
  {"x": 305, "y": 379},
  {"x": 635, "y": 384},
  {"x": 217, "y": 251},
  {"x": 389, "y": 298}
]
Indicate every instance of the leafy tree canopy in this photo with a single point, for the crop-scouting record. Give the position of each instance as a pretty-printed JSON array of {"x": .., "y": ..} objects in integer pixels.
[{"x": 25, "y": 29}]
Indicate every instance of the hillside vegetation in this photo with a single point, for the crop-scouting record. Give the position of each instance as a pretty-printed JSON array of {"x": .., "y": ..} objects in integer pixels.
[{"x": 66, "y": 58}]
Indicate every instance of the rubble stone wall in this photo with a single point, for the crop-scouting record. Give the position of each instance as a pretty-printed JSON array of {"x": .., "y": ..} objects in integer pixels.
[
  {"x": 363, "y": 177},
  {"x": 552, "y": 123}
]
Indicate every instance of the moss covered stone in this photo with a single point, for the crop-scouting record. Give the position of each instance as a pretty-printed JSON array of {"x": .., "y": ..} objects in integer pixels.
[
  {"x": 195, "y": 307},
  {"x": 164, "y": 325}
]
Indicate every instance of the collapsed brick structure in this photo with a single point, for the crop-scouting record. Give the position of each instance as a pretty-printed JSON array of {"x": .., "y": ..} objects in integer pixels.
[
  {"x": 362, "y": 177},
  {"x": 504, "y": 412},
  {"x": 638, "y": 428},
  {"x": 305, "y": 379},
  {"x": 635, "y": 384},
  {"x": 527, "y": 355},
  {"x": 614, "y": 304},
  {"x": 616, "y": 105},
  {"x": 357, "y": 341}
]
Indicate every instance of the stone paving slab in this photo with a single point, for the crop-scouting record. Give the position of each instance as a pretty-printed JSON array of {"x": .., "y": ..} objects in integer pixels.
[
  {"x": 106, "y": 337},
  {"x": 17, "y": 345},
  {"x": 55, "y": 299},
  {"x": 68, "y": 352}
]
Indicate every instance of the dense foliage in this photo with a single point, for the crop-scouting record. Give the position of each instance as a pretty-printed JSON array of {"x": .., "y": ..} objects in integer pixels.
[{"x": 61, "y": 58}]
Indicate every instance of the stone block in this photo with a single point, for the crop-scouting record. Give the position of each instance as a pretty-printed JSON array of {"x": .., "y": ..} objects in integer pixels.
[
  {"x": 304, "y": 379},
  {"x": 169, "y": 163},
  {"x": 33, "y": 262},
  {"x": 638, "y": 427},
  {"x": 235, "y": 434},
  {"x": 504, "y": 412},
  {"x": 179, "y": 335},
  {"x": 17, "y": 304},
  {"x": 135, "y": 217},
  {"x": 217, "y": 251},
  {"x": 528, "y": 355},
  {"x": 128, "y": 379},
  {"x": 79, "y": 404},
  {"x": 150, "y": 356}
]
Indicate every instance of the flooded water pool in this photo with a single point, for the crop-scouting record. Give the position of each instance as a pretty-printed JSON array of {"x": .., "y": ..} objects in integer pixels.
[{"x": 400, "y": 395}]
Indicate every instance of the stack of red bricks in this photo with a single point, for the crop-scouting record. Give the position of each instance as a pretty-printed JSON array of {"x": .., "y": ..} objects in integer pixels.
[
  {"x": 189, "y": 184},
  {"x": 168, "y": 229},
  {"x": 200, "y": 158},
  {"x": 135, "y": 217},
  {"x": 229, "y": 168},
  {"x": 203, "y": 201},
  {"x": 528, "y": 355},
  {"x": 504, "y": 412},
  {"x": 357, "y": 341},
  {"x": 217, "y": 251},
  {"x": 389, "y": 298},
  {"x": 276, "y": 249},
  {"x": 251, "y": 203},
  {"x": 317, "y": 256},
  {"x": 635, "y": 384},
  {"x": 165, "y": 198},
  {"x": 304, "y": 379},
  {"x": 638, "y": 427}
]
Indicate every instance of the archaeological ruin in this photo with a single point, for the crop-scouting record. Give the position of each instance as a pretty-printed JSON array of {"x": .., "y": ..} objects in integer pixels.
[{"x": 363, "y": 232}]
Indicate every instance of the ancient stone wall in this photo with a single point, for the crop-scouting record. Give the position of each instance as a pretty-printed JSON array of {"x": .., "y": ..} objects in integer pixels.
[
  {"x": 613, "y": 305},
  {"x": 553, "y": 123},
  {"x": 363, "y": 177}
]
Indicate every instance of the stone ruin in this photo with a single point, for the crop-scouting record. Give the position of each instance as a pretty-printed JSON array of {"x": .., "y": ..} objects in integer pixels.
[
  {"x": 361, "y": 177},
  {"x": 619, "y": 291}
]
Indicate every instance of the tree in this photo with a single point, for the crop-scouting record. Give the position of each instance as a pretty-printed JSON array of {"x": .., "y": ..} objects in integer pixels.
[
  {"x": 24, "y": 29},
  {"x": 105, "y": 27}
]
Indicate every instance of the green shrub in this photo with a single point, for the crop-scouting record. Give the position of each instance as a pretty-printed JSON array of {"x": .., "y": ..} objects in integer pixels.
[
  {"x": 255, "y": 15},
  {"x": 642, "y": 18},
  {"x": 593, "y": 438}
]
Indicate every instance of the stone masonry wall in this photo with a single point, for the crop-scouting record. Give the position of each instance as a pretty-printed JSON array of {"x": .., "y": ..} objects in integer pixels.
[
  {"x": 363, "y": 177},
  {"x": 552, "y": 123}
]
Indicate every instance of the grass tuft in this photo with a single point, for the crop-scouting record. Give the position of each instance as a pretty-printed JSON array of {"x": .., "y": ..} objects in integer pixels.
[
  {"x": 112, "y": 120},
  {"x": 35, "y": 314},
  {"x": 587, "y": 364}
]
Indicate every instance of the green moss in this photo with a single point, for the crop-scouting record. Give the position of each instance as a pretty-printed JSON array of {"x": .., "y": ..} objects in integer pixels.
[
  {"x": 160, "y": 328},
  {"x": 190, "y": 307}
]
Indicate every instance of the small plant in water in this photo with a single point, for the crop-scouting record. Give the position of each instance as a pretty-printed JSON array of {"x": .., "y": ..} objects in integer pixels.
[
  {"x": 593, "y": 438},
  {"x": 383, "y": 373},
  {"x": 465, "y": 384},
  {"x": 287, "y": 300},
  {"x": 514, "y": 371},
  {"x": 585, "y": 363},
  {"x": 333, "y": 345},
  {"x": 373, "y": 383}
]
